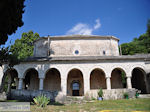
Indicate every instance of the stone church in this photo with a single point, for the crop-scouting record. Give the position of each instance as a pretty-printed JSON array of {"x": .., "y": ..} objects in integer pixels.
[{"x": 77, "y": 65}]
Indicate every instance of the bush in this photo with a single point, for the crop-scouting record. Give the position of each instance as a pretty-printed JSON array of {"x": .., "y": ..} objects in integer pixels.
[
  {"x": 41, "y": 101},
  {"x": 100, "y": 92},
  {"x": 126, "y": 96}
]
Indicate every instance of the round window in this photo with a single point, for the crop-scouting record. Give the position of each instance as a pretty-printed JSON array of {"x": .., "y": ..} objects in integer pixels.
[{"x": 76, "y": 52}]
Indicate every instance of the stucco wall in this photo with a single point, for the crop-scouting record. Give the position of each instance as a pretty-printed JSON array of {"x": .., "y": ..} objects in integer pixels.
[{"x": 86, "y": 47}]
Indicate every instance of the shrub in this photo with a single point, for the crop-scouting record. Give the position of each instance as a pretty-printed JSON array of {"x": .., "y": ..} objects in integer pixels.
[
  {"x": 100, "y": 92},
  {"x": 41, "y": 101},
  {"x": 126, "y": 96}
]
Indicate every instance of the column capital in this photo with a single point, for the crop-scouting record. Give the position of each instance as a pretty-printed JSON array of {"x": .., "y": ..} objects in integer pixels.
[
  {"x": 128, "y": 76},
  {"x": 108, "y": 77},
  {"x": 42, "y": 78}
]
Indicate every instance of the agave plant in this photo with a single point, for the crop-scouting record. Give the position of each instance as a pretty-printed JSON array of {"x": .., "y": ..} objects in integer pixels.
[{"x": 41, "y": 101}]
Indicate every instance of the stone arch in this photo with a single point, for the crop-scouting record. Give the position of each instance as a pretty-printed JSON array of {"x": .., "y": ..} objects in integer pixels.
[
  {"x": 138, "y": 79},
  {"x": 118, "y": 78},
  {"x": 75, "y": 76},
  {"x": 97, "y": 79},
  {"x": 31, "y": 80},
  {"x": 9, "y": 80},
  {"x": 52, "y": 81}
]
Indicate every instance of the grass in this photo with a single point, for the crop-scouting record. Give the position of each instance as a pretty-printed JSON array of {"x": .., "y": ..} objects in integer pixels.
[{"x": 116, "y": 105}]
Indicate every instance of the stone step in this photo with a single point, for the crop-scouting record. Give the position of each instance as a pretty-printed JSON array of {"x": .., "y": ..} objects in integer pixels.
[
  {"x": 74, "y": 99},
  {"x": 144, "y": 96}
]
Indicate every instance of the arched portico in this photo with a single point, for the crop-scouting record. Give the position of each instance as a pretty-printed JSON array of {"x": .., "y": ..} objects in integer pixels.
[
  {"x": 118, "y": 78},
  {"x": 138, "y": 79},
  {"x": 97, "y": 79},
  {"x": 10, "y": 80},
  {"x": 75, "y": 84},
  {"x": 52, "y": 81},
  {"x": 31, "y": 80}
]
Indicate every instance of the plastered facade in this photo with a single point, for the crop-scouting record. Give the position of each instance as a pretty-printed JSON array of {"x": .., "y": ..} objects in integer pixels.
[{"x": 58, "y": 53}]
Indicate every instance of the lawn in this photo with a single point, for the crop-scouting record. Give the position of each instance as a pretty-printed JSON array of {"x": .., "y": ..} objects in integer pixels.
[{"x": 124, "y": 105}]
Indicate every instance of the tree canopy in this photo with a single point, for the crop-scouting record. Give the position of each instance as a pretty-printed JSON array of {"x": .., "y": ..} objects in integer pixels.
[
  {"x": 23, "y": 47},
  {"x": 139, "y": 45},
  {"x": 11, "y": 17}
]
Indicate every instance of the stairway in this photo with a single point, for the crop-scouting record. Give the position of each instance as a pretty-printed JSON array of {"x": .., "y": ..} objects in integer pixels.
[
  {"x": 74, "y": 99},
  {"x": 144, "y": 96}
]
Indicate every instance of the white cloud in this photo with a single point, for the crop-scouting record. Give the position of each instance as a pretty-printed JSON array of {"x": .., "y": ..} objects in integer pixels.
[
  {"x": 84, "y": 29},
  {"x": 98, "y": 24}
]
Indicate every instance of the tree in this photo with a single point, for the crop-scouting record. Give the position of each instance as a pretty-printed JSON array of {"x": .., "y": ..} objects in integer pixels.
[
  {"x": 23, "y": 47},
  {"x": 138, "y": 45},
  {"x": 11, "y": 17}
]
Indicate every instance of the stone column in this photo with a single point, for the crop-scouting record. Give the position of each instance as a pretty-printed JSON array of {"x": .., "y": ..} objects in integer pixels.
[
  {"x": 86, "y": 83},
  {"x": 41, "y": 83},
  {"x": 129, "y": 85},
  {"x": 63, "y": 84},
  {"x": 20, "y": 83},
  {"x": 108, "y": 83}
]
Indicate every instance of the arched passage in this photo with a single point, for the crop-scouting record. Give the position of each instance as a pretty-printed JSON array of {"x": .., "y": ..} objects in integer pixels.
[
  {"x": 52, "y": 81},
  {"x": 75, "y": 85},
  {"x": 10, "y": 80},
  {"x": 97, "y": 79},
  {"x": 31, "y": 80},
  {"x": 118, "y": 78},
  {"x": 139, "y": 80}
]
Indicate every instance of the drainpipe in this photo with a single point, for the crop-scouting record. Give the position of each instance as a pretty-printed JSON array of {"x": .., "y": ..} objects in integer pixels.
[
  {"x": 120, "y": 50},
  {"x": 48, "y": 52}
]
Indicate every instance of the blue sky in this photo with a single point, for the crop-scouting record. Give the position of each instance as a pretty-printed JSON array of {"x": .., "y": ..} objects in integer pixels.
[{"x": 124, "y": 19}]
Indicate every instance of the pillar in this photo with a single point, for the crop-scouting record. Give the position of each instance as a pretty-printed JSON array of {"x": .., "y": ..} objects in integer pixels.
[
  {"x": 86, "y": 81},
  {"x": 129, "y": 85},
  {"x": 20, "y": 83},
  {"x": 108, "y": 83},
  {"x": 63, "y": 84},
  {"x": 41, "y": 83}
]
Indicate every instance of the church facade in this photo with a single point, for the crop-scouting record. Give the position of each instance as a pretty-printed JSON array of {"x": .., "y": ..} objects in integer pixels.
[{"x": 78, "y": 65}]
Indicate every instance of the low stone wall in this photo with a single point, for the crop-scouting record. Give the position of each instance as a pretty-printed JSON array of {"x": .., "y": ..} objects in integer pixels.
[
  {"x": 3, "y": 96},
  {"x": 112, "y": 94},
  {"x": 28, "y": 95}
]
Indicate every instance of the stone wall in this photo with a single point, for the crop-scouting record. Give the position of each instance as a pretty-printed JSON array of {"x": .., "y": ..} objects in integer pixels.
[
  {"x": 27, "y": 95},
  {"x": 112, "y": 94},
  {"x": 97, "y": 79}
]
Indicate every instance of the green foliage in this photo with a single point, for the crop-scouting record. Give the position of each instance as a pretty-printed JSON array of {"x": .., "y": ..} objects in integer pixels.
[
  {"x": 93, "y": 98},
  {"x": 11, "y": 17},
  {"x": 41, "y": 101},
  {"x": 23, "y": 47},
  {"x": 123, "y": 77},
  {"x": 126, "y": 95},
  {"x": 139, "y": 45},
  {"x": 7, "y": 57},
  {"x": 100, "y": 92},
  {"x": 5, "y": 84}
]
